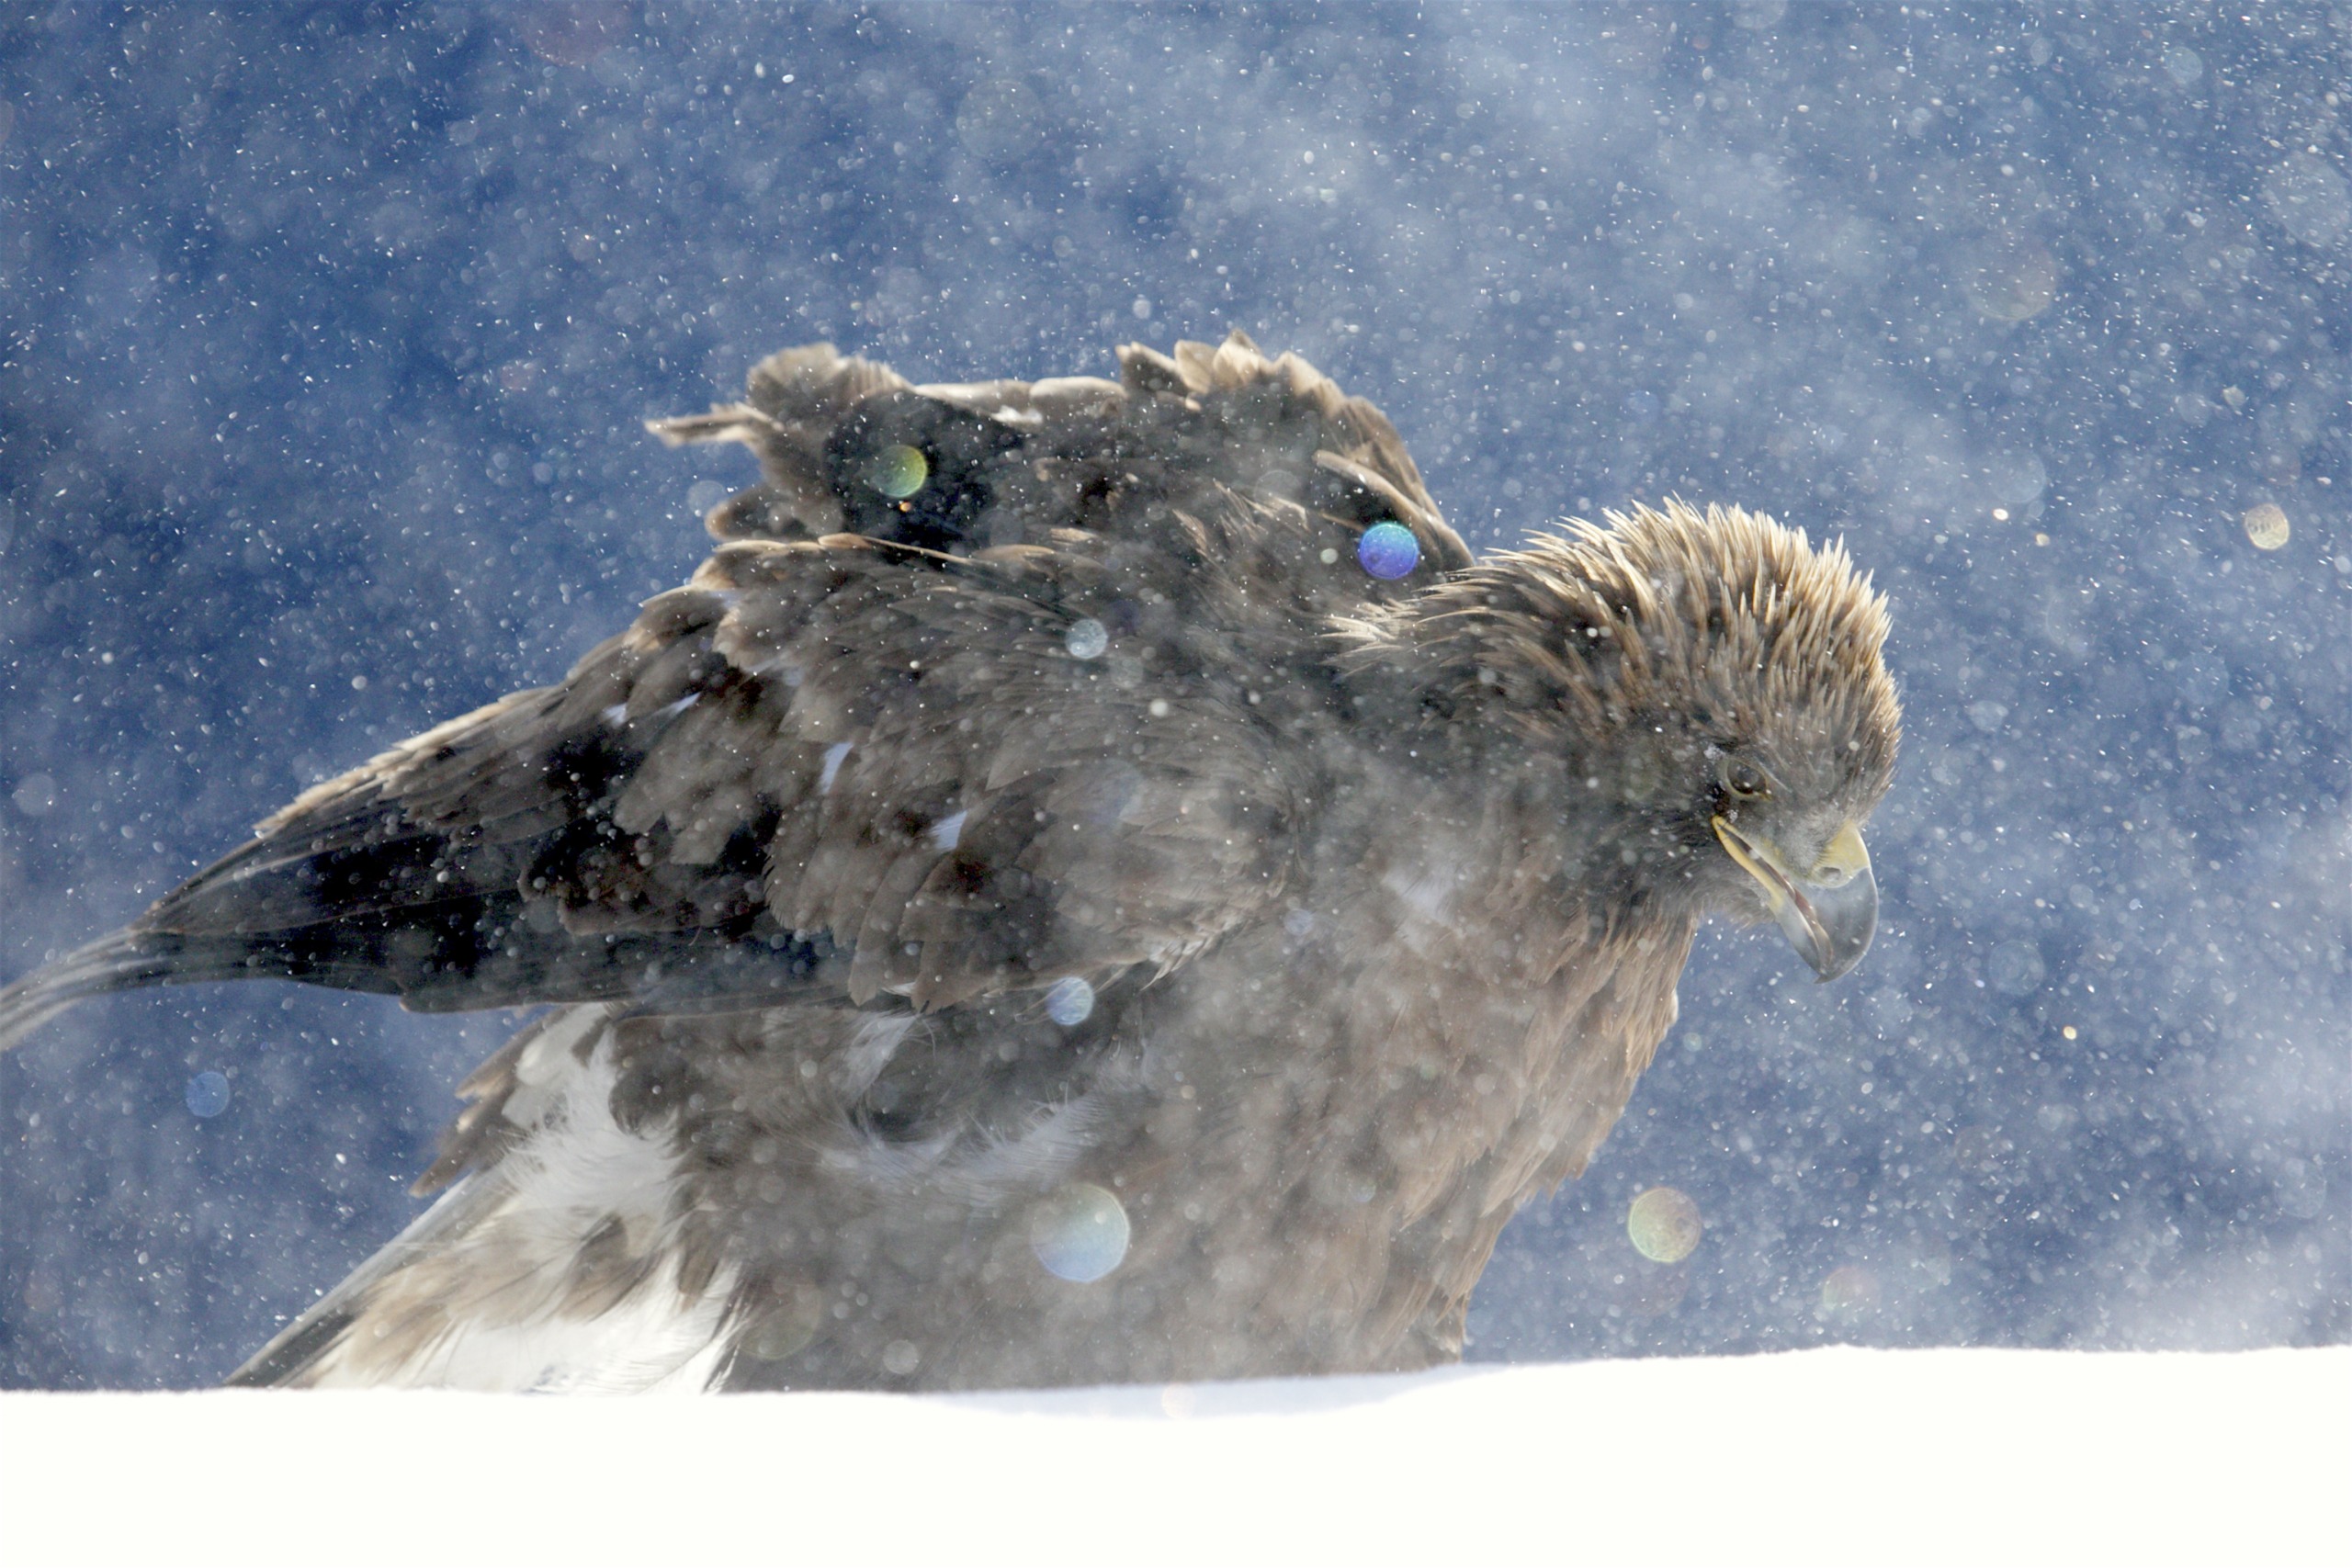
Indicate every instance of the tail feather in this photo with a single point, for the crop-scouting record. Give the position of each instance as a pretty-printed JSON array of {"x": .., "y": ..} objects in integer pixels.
[
  {"x": 292, "y": 1358},
  {"x": 118, "y": 962},
  {"x": 135, "y": 957},
  {"x": 556, "y": 1264}
]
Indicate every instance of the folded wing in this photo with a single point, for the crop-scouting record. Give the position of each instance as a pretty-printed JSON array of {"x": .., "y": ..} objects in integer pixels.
[
  {"x": 988, "y": 685},
  {"x": 828, "y": 767}
]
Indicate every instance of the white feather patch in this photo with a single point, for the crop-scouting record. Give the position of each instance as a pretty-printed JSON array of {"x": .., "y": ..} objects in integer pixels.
[{"x": 489, "y": 1305}]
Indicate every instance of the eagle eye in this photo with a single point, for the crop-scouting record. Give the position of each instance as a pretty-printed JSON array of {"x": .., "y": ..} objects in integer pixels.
[{"x": 1746, "y": 781}]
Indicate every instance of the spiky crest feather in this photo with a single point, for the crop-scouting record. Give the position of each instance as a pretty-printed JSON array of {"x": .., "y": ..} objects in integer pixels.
[{"x": 1725, "y": 619}]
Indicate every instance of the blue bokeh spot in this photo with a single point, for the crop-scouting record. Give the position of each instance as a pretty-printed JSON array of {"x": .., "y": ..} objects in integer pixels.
[
  {"x": 1069, "y": 1001},
  {"x": 208, "y": 1094},
  {"x": 1388, "y": 550}
]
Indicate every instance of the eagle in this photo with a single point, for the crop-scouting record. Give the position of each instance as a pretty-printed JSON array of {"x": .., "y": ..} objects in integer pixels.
[{"x": 1091, "y": 881}]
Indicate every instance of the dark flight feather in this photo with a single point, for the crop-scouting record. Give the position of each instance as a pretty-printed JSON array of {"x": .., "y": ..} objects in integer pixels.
[{"x": 1033, "y": 802}]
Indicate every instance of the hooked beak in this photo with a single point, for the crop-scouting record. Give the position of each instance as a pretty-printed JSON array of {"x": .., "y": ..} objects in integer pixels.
[{"x": 1827, "y": 913}]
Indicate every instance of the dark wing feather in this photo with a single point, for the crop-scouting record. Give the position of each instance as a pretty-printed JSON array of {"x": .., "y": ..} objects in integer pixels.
[
  {"x": 749, "y": 795},
  {"x": 963, "y": 805},
  {"x": 824, "y": 767}
]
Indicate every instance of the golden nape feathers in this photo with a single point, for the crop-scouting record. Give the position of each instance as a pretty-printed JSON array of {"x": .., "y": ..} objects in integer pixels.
[
  {"x": 1667, "y": 612},
  {"x": 1091, "y": 881}
]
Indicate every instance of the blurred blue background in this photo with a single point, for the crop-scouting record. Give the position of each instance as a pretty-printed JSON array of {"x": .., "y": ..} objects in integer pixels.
[{"x": 326, "y": 333}]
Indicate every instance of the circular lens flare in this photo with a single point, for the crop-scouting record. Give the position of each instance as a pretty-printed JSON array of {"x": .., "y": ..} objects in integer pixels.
[
  {"x": 206, "y": 1095},
  {"x": 1664, "y": 1225},
  {"x": 2009, "y": 277},
  {"x": 1069, "y": 1001},
  {"x": 898, "y": 471},
  {"x": 1388, "y": 550},
  {"x": 1079, "y": 1232},
  {"x": 2267, "y": 527},
  {"x": 1848, "y": 1291}
]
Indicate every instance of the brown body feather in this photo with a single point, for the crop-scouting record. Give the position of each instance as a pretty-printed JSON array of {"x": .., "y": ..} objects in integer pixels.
[{"x": 1380, "y": 891}]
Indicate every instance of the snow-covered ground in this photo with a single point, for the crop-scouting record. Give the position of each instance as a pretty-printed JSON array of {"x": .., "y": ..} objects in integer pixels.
[{"x": 1817, "y": 1457}]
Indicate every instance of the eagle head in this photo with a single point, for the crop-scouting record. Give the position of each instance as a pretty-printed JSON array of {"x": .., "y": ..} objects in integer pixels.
[{"x": 1698, "y": 700}]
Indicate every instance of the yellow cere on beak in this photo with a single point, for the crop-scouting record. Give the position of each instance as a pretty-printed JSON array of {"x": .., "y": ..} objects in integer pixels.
[{"x": 1828, "y": 912}]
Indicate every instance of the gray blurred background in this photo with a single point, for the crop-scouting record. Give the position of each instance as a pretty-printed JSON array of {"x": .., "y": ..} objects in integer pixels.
[{"x": 326, "y": 333}]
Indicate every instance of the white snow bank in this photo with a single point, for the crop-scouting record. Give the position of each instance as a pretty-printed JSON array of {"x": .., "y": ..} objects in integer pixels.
[{"x": 1828, "y": 1456}]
